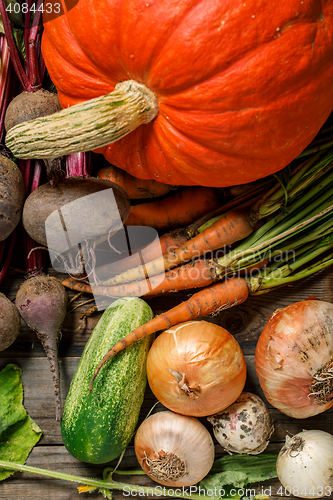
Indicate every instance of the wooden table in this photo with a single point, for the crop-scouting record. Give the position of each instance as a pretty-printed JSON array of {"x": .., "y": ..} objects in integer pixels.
[{"x": 245, "y": 322}]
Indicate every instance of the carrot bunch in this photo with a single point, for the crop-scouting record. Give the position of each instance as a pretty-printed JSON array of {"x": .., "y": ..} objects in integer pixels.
[
  {"x": 170, "y": 242},
  {"x": 219, "y": 234}
]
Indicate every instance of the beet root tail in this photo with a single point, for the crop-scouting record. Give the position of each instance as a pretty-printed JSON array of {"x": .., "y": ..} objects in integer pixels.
[{"x": 50, "y": 346}]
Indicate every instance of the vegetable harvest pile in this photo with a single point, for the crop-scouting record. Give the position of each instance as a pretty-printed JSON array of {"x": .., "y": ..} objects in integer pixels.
[{"x": 157, "y": 148}]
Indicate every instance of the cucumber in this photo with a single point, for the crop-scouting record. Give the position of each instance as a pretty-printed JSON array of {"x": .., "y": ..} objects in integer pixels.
[{"x": 96, "y": 427}]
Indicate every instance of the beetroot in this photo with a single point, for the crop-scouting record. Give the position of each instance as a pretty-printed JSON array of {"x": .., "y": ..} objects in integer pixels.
[
  {"x": 11, "y": 196},
  {"x": 30, "y": 105},
  {"x": 42, "y": 303},
  {"x": 10, "y": 322},
  {"x": 94, "y": 215}
]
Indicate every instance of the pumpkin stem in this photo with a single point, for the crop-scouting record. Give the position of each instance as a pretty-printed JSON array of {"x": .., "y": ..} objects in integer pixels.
[{"x": 85, "y": 126}]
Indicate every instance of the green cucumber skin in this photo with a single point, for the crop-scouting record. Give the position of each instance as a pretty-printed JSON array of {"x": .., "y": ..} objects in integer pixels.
[{"x": 96, "y": 427}]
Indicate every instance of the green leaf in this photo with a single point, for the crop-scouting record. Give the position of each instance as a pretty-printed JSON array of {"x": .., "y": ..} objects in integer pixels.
[
  {"x": 235, "y": 477},
  {"x": 20, "y": 41},
  {"x": 18, "y": 432},
  {"x": 226, "y": 481},
  {"x": 256, "y": 467},
  {"x": 237, "y": 472}
]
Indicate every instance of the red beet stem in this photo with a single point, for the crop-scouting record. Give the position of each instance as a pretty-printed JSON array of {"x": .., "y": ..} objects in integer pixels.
[
  {"x": 34, "y": 256},
  {"x": 78, "y": 165},
  {"x": 33, "y": 65},
  {"x": 9, "y": 255},
  {"x": 12, "y": 47}
]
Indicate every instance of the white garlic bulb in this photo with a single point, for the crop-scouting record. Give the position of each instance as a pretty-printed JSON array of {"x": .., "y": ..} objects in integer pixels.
[{"x": 243, "y": 427}]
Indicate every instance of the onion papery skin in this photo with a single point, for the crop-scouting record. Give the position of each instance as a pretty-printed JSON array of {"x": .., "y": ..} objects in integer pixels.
[
  {"x": 296, "y": 343},
  {"x": 305, "y": 464},
  {"x": 183, "y": 436},
  {"x": 210, "y": 361}
]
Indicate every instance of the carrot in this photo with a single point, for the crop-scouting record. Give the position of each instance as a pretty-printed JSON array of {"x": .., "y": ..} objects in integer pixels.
[
  {"x": 176, "y": 210},
  {"x": 233, "y": 226},
  {"x": 214, "y": 298},
  {"x": 77, "y": 285},
  {"x": 177, "y": 237},
  {"x": 195, "y": 274},
  {"x": 168, "y": 242},
  {"x": 135, "y": 188}
]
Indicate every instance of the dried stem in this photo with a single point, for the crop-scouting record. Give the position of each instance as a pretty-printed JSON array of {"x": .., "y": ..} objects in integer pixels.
[
  {"x": 166, "y": 467},
  {"x": 322, "y": 386}
]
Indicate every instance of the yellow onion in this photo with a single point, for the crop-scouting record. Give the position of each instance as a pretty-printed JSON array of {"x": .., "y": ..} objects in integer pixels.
[
  {"x": 294, "y": 358},
  {"x": 196, "y": 368},
  {"x": 174, "y": 450}
]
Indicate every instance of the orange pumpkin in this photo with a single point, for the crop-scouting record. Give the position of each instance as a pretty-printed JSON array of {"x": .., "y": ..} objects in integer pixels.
[{"x": 242, "y": 86}]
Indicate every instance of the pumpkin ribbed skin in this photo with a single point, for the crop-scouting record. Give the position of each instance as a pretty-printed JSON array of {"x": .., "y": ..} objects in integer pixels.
[{"x": 243, "y": 85}]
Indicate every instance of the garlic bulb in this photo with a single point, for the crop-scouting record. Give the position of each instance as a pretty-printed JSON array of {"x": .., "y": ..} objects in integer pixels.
[
  {"x": 173, "y": 449},
  {"x": 243, "y": 427},
  {"x": 305, "y": 464}
]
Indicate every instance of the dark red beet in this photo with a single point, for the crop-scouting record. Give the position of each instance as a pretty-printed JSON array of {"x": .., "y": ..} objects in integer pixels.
[
  {"x": 42, "y": 303},
  {"x": 28, "y": 106},
  {"x": 11, "y": 196},
  {"x": 10, "y": 322},
  {"x": 48, "y": 199}
]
